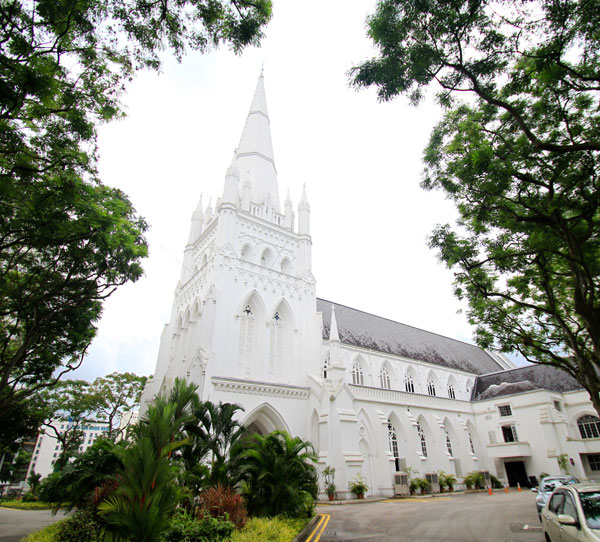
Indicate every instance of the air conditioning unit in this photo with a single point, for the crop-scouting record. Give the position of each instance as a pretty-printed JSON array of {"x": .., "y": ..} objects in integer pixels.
[
  {"x": 434, "y": 483},
  {"x": 401, "y": 486},
  {"x": 486, "y": 476}
]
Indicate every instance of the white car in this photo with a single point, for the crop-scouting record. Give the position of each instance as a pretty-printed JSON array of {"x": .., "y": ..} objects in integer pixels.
[{"x": 572, "y": 514}]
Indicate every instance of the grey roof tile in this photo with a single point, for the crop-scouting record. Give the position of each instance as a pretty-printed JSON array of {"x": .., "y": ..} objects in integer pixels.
[
  {"x": 530, "y": 377},
  {"x": 376, "y": 333}
]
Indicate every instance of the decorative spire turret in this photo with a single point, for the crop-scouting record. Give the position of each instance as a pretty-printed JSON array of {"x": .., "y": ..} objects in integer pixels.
[
  {"x": 304, "y": 214},
  {"x": 333, "y": 329},
  {"x": 288, "y": 213},
  {"x": 196, "y": 225}
]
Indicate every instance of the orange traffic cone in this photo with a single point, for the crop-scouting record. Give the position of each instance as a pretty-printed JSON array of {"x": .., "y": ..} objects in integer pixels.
[
  {"x": 505, "y": 488},
  {"x": 490, "y": 490},
  {"x": 519, "y": 487}
]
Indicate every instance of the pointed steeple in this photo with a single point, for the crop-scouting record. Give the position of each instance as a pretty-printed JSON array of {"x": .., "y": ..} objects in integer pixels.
[
  {"x": 197, "y": 221},
  {"x": 333, "y": 329},
  {"x": 254, "y": 156},
  {"x": 304, "y": 214}
]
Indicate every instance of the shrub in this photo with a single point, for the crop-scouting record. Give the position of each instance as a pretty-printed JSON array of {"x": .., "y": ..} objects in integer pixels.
[
  {"x": 184, "y": 528},
  {"x": 496, "y": 484},
  {"x": 277, "y": 529},
  {"x": 223, "y": 502},
  {"x": 80, "y": 527},
  {"x": 29, "y": 497},
  {"x": 20, "y": 505},
  {"x": 47, "y": 534}
]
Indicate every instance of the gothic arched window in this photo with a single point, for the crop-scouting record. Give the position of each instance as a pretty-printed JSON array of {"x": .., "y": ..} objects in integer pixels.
[
  {"x": 589, "y": 426},
  {"x": 357, "y": 374},
  {"x": 451, "y": 392},
  {"x": 430, "y": 386},
  {"x": 246, "y": 339},
  {"x": 326, "y": 365},
  {"x": 384, "y": 379},
  {"x": 409, "y": 383},
  {"x": 471, "y": 443},
  {"x": 276, "y": 346},
  {"x": 448, "y": 442},
  {"x": 393, "y": 443},
  {"x": 421, "y": 434}
]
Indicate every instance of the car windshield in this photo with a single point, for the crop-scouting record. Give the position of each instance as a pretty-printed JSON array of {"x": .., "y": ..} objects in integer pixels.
[
  {"x": 549, "y": 485},
  {"x": 590, "y": 501}
]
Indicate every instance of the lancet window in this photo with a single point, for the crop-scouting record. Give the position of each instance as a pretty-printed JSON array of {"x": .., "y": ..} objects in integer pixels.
[
  {"x": 357, "y": 374},
  {"x": 430, "y": 387},
  {"x": 448, "y": 442},
  {"x": 422, "y": 439},
  {"x": 393, "y": 443},
  {"x": 409, "y": 383},
  {"x": 384, "y": 379},
  {"x": 246, "y": 340}
]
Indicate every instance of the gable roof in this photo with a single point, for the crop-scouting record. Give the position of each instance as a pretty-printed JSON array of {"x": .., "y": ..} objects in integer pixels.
[
  {"x": 366, "y": 330},
  {"x": 528, "y": 378}
]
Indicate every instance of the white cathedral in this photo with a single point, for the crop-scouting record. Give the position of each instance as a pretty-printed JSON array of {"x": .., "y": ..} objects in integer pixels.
[{"x": 373, "y": 396}]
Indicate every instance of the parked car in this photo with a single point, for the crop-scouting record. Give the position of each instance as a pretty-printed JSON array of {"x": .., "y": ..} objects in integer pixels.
[
  {"x": 573, "y": 514},
  {"x": 547, "y": 486}
]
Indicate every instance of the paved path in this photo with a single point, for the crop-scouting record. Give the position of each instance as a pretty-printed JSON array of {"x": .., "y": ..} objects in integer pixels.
[
  {"x": 16, "y": 524},
  {"x": 476, "y": 517}
]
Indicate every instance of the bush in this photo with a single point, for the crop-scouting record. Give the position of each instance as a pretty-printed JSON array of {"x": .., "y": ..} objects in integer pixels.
[
  {"x": 496, "y": 484},
  {"x": 29, "y": 497},
  {"x": 47, "y": 534},
  {"x": 276, "y": 529},
  {"x": 184, "y": 528},
  {"x": 474, "y": 479},
  {"x": 20, "y": 505},
  {"x": 223, "y": 502},
  {"x": 80, "y": 527}
]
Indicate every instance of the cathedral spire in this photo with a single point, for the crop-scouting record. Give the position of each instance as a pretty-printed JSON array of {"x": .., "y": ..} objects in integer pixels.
[
  {"x": 333, "y": 329},
  {"x": 254, "y": 156}
]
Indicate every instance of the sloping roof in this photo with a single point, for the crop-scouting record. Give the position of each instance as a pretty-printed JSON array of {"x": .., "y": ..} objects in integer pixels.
[
  {"x": 531, "y": 377},
  {"x": 366, "y": 330}
]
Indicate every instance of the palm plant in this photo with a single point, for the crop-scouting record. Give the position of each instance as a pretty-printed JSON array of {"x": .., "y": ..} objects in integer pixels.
[
  {"x": 146, "y": 496},
  {"x": 213, "y": 433},
  {"x": 279, "y": 475}
]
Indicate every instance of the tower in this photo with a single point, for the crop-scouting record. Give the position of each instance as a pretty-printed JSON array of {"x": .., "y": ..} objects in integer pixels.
[{"x": 244, "y": 310}]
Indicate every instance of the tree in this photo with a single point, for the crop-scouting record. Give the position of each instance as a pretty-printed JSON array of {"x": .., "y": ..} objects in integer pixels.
[
  {"x": 116, "y": 393},
  {"x": 279, "y": 475},
  {"x": 213, "y": 432},
  {"x": 69, "y": 405},
  {"x": 66, "y": 240},
  {"x": 519, "y": 157}
]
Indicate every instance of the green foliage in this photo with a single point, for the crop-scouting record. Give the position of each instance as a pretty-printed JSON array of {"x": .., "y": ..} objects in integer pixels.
[
  {"x": 220, "y": 502},
  {"x": 80, "y": 527},
  {"x": 184, "y": 528},
  {"x": 520, "y": 161},
  {"x": 277, "y": 529},
  {"x": 33, "y": 481},
  {"x": 47, "y": 534},
  {"x": 29, "y": 497},
  {"x": 446, "y": 480},
  {"x": 563, "y": 463},
  {"x": 496, "y": 484},
  {"x": 75, "y": 485},
  {"x": 147, "y": 494},
  {"x": 24, "y": 505},
  {"x": 328, "y": 478},
  {"x": 66, "y": 240},
  {"x": 474, "y": 479},
  {"x": 279, "y": 475},
  {"x": 116, "y": 394},
  {"x": 358, "y": 485},
  {"x": 420, "y": 484}
]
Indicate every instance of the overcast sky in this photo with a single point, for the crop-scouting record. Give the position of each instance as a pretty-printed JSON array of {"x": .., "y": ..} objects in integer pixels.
[{"x": 360, "y": 160}]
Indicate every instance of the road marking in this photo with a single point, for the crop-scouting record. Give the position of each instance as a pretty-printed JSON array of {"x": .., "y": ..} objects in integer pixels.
[
  {"x": 318, "y": 530},
  {"x": 436, "y": 499}
]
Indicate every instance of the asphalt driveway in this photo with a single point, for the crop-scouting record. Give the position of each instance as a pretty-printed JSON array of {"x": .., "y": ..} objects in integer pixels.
[
  {"x": 473, "y": 517},
  {"x": 15, "y": 524}
]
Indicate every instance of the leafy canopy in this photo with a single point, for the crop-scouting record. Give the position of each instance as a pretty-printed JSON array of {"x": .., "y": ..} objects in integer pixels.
[
  {"x": 66, "y": 240},
  {"x": 517, "y": 151}
]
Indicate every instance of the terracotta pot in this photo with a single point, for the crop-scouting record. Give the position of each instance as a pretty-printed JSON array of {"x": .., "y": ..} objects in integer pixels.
[
  {"x": 450, "y": 489},
  {"x": 331, "y": 496},
  {"x": 360, "y": 496}
]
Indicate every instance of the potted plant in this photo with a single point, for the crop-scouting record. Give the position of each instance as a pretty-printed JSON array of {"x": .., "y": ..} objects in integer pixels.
[
  {"x": 450, "y": 481},
  {"x": 425, "y": 485},
  {"x": 359, "y": 486},
  {"x": 328, "y": 476},
  {"x": 442, "y": 480},
  {"x": 414, "y": 485}
]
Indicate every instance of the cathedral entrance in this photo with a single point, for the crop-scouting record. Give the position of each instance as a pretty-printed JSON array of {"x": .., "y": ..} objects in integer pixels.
[{"x": 516, "y": 473}]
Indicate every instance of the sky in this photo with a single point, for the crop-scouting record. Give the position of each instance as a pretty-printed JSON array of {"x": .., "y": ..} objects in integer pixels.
[{"x": 359, "y": 159}]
